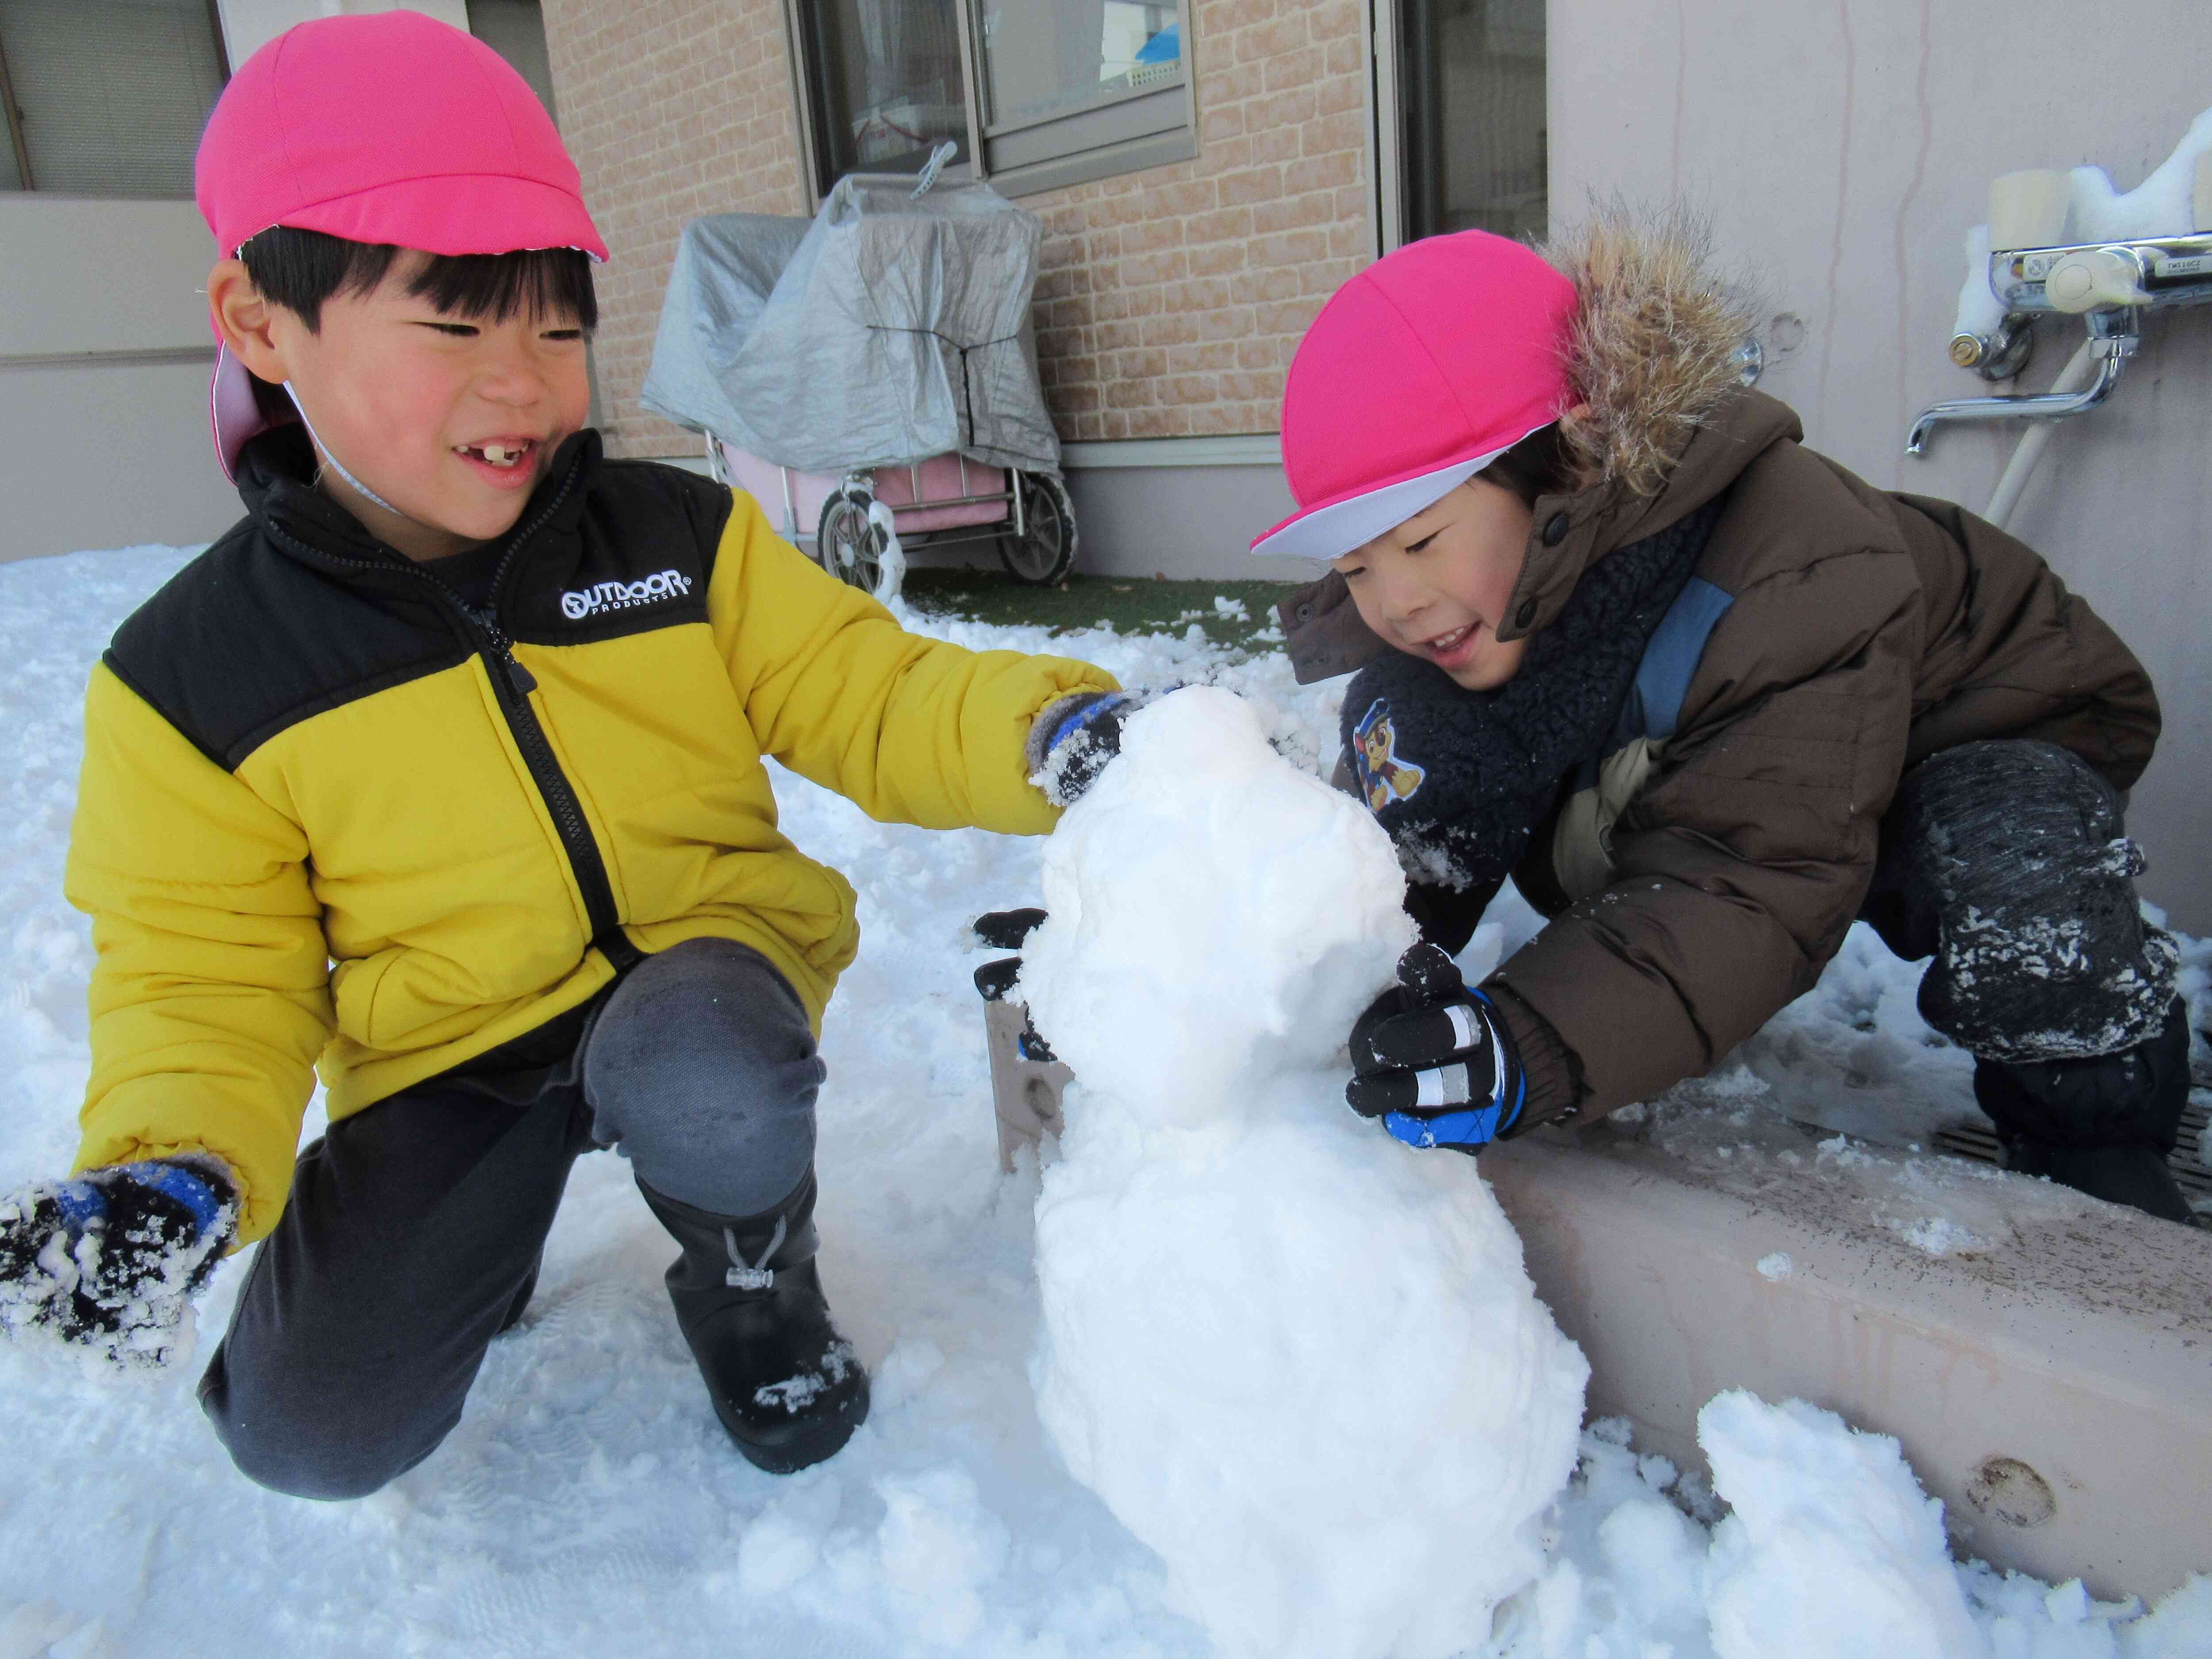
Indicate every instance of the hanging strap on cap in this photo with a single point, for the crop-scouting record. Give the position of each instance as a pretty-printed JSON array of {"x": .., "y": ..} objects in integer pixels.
[{"x": 324, "y": 450}]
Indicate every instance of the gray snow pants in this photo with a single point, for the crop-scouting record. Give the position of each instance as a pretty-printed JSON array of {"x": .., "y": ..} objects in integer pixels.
[{"x": 413, "y": 1230}]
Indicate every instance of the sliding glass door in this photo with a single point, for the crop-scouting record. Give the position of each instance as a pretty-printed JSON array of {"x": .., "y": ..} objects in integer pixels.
[{"x": 1462, "y": 104}]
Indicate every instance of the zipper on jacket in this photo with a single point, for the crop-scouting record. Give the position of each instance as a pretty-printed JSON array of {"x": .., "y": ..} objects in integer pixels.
[{"x": 512, "y": 684}]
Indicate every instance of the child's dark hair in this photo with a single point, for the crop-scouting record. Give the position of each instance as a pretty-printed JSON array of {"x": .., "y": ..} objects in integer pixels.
[
  {"x": 1536, "y": 467},
  {"x": 299, "y": 269}
]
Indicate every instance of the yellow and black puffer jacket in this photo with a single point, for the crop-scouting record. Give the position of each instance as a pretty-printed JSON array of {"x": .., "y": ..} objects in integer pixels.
[{"x": 330, "y": 815}]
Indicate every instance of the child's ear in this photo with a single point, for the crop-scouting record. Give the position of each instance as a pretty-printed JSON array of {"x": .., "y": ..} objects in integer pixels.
[{"x": 246, "y": 320}]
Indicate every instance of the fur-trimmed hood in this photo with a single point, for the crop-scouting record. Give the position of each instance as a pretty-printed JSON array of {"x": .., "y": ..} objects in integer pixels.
[{"x": 1659, "y": 342}]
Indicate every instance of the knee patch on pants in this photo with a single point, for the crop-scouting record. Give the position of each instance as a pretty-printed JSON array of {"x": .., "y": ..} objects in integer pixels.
[{"x": 702, "y": 1068}]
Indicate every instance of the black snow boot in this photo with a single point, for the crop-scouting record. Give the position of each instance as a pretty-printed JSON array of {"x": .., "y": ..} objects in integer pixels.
[
  {"x": 788, "y": 1389},
  {"x": 2102, "y": 1126}
]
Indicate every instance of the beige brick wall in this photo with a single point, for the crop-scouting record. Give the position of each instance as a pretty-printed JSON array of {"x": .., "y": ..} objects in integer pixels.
[
  {"x": 672, "y": 109},
  {"x": 1169, "y": 300}
]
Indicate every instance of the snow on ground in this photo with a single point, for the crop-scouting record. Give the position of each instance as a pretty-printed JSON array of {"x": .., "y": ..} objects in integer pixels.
[{"x": 587, "y": 1503}]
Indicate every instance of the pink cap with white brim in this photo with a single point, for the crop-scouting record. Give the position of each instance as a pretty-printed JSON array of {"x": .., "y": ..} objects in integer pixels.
[
  {"x": 1419, "y": 372},
  {"x": 391, "y": 128}
]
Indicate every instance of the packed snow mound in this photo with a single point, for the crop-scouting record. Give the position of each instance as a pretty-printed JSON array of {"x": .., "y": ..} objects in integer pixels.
[
  {"x": 1824, "y": 1516},
  {"x": 1302, "y": 1362},
  {"x": 1229, "y": 912},
  {"x": 1832, "y": 1548}
]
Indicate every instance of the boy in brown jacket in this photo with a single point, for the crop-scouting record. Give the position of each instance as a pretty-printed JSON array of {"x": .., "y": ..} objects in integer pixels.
[{"x": 1707, "y": 698}]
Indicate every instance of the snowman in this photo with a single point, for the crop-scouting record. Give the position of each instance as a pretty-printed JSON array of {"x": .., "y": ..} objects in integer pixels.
[{"x": 1299, "y": 1360}]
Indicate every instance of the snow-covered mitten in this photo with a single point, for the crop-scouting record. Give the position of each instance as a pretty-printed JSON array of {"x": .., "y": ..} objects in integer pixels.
[
  {"x": 1434, "y": 1062},
  {"x": 108, "y": 1259},
  {"x": 1075, "y": 737}
]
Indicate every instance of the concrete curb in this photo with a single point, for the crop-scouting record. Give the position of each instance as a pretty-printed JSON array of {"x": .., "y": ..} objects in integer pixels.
[{"x": 2049, "y": 1372}]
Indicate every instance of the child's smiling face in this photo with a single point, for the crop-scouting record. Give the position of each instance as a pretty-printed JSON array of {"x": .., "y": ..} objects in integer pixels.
[
  {"x": 452, "y": 420},
  {"x": 1436, "y": 586}
]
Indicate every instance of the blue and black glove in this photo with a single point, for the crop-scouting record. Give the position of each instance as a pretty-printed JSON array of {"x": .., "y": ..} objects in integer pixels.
[
  {"x": 109, "y": 1258},
  {"x": 1434, "y": 1062},
  {"x": 1075, "y": 736},
  {"x": 1006, "y": 930},
  {"x": 1074, "y": 739}
]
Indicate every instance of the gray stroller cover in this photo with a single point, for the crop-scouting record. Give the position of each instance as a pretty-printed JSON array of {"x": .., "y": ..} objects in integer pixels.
[{"x": 891, "y": 328}]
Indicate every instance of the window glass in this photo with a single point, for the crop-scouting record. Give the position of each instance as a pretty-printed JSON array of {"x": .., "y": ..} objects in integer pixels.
[
  {"x": 112, "y": 93},
  {"x": 1069, "y": 90},
  {"x": 1049, "y": 58},
  {"x": 1471, "y": 85},
  {"x": 885, "y": 82}
]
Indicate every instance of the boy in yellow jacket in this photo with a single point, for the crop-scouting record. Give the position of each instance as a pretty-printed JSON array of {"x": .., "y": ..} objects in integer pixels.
[{"x": 443, "y": 770}]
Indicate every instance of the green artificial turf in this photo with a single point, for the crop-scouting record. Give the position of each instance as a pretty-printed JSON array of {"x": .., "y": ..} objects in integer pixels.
[{"x": 1131, "y": 604}]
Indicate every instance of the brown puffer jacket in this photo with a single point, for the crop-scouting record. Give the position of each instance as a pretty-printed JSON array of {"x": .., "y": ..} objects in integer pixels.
[{"x": 1868, "y": 631}]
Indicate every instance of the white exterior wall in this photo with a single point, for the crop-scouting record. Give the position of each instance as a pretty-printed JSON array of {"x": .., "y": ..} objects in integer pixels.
[
  {"x": 1185, "y": 507},
  {"x": 1843, "y": 149},
  {"x": 105, "y": 350},
  {"x": 105, "y": 355}
]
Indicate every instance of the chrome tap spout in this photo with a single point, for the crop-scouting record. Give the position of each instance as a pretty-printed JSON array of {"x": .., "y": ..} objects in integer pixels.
[{"x": 2114, "y": 334}]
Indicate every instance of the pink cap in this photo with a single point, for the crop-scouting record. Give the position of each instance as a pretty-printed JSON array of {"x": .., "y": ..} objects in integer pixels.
[
  {"x": 1419, "y": 372},
  {"x": 390, "y": 127}
]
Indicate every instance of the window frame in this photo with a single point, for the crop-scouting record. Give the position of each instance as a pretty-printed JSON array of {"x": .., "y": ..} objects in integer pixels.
[
  {"x": 16, "y": 139},
  {"x": 1393, "y": 106},
  {"x": 1123, "y": 132}
]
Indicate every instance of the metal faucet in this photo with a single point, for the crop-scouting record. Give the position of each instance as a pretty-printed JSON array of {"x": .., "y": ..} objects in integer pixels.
[
  {"x": 2115, "y": 334},
  {"x": 2110, "y": 285}
]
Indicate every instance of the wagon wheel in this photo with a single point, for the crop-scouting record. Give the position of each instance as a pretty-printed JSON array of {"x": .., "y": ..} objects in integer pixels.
[
  {"x": 850, "y": 548},
  {"x": 1046, "y": 551}
]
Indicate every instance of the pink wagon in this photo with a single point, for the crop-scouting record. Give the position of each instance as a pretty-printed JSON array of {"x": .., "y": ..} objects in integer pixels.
[
  {"x": 930, "y": 504},
  {"x": 869, "y": 376}
]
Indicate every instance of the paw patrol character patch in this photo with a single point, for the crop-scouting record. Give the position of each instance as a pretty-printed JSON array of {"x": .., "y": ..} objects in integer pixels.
[{"x": 1383, "y": 777}]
